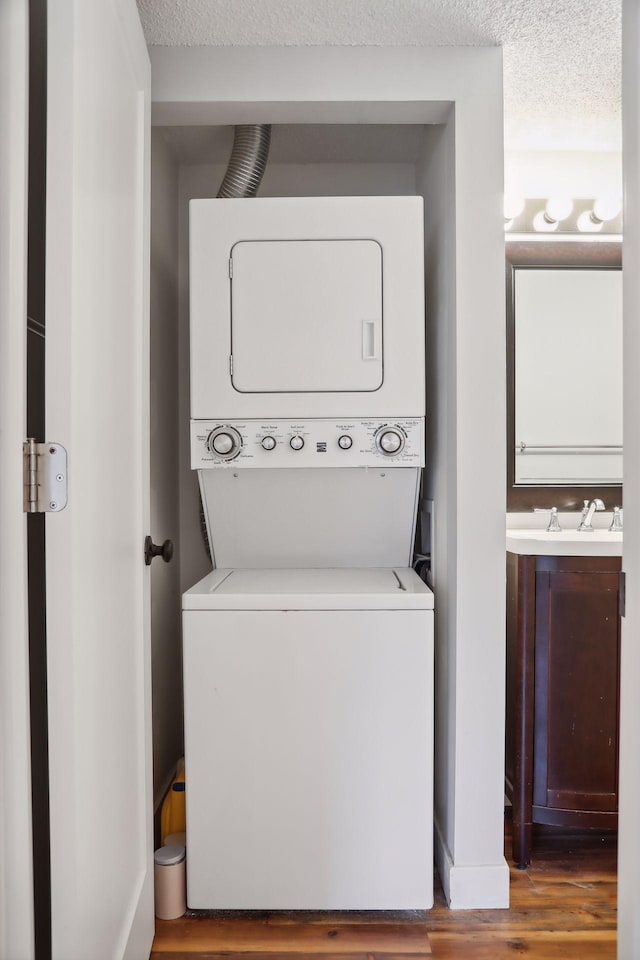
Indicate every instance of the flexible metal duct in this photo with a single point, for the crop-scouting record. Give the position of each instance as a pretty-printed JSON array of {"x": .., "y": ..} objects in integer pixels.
[{"x": 248, "y": 160}]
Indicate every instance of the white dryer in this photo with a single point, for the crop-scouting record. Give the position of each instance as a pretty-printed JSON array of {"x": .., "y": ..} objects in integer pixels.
[
  {"x": 307, "y": 307},
  {"x": 308, "y": 738}
]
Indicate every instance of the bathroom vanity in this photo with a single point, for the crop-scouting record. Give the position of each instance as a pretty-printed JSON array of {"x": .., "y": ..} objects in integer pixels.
[{"x": 563, "y": 660}]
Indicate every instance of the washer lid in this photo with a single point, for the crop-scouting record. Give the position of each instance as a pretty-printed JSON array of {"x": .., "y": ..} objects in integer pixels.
[{"x": 304, "y": 589}]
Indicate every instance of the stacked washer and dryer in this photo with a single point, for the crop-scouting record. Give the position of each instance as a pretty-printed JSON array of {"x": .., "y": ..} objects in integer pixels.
[{"x": 308, "y": 650}]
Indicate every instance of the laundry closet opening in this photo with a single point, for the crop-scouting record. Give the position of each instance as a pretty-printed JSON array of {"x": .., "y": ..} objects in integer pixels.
[{"x": 305, "y": 160}]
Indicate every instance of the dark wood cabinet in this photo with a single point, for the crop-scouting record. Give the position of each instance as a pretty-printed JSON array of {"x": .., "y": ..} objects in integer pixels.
[{"x": 563, "y": 664}]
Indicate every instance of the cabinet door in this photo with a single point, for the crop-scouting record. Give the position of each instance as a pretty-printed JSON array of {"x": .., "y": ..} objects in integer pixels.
[{"x": 576, "y": 691}]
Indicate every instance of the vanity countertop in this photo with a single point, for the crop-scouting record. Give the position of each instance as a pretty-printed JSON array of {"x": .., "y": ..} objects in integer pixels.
[{"x": 567, "y": 543}]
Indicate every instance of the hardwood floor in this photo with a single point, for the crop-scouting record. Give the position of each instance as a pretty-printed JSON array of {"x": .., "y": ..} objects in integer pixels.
[{"x": 563, "y": 907}]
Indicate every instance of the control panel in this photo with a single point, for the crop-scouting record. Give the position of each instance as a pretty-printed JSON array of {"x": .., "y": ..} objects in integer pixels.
[{"x": 395, "y": 442}]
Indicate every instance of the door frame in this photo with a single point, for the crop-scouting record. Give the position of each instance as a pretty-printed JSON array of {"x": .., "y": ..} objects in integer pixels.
[{"x": 16, "y": 868}]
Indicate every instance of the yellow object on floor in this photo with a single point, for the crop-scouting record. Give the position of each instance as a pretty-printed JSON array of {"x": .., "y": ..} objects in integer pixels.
[{"x": 173, "y": 817}]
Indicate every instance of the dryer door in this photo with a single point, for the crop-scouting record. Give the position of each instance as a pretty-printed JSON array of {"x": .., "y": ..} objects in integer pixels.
[{"x": 306, "y": 316}]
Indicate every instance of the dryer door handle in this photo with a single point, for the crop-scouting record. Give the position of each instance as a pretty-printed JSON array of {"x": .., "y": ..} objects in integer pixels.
[{"x": 369, "y": 338}]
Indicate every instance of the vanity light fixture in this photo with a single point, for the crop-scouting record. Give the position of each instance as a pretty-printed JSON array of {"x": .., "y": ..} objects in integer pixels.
[{"x": 561, "y": 217}]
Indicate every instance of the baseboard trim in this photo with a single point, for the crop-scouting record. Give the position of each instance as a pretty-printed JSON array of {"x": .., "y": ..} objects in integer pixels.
[{"x": 477, "y": 887}]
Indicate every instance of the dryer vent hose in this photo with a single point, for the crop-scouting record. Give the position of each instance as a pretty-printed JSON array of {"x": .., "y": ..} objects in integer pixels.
[{"x": 248, "y": 160}]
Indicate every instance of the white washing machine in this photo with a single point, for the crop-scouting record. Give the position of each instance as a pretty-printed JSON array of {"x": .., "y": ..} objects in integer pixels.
[
  {"x": 308, "y": 739},
  {"x": 308, "y": 651}
]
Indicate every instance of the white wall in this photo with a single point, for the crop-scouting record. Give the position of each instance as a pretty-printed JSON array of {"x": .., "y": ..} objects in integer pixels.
[
  {"x": 629, "y": 787},
  {"x": 437, "y": 184},
  {"x": 165, "y": 519},
  {"x": 461, "y": 88},
  {"x": 572, "y": 173},
  {"x": 465, "y": 416}
]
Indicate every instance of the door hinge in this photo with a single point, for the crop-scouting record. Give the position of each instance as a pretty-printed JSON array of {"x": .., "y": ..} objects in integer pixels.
[
  {"x": 231, "y": 365},
  {"x": 45, "y": 477},
  {"x": 622, "y": 593},
  {"x": 230, "y": 268}
]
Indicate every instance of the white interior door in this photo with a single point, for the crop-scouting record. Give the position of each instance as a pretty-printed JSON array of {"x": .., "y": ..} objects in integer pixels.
[
  {"x": 97, "y": 387},
  {"x": 16, "y": 880}
]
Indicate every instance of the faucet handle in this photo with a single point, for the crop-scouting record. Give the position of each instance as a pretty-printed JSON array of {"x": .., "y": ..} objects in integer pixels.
[
  {"x": 616, "y": 520},
  {"x": 554, "y": 523}
]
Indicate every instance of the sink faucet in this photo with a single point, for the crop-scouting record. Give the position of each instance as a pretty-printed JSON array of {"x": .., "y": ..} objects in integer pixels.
[
  {"x": 616, "y": 521},
  {"x": 588, "y": 511}
]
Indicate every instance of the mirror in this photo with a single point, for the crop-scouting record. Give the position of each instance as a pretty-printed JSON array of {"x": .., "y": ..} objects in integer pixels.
[{"x": 564, "y": 363}]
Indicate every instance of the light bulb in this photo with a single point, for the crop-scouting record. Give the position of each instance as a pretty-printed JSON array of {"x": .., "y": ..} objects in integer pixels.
[
  {"x": 513, "y": 206},
  {"x": 606, "y": 207},
  {"x": 557, "y": 209},
  {"x": 542, "y": 225},
  {"x": 586, "y": 223}
]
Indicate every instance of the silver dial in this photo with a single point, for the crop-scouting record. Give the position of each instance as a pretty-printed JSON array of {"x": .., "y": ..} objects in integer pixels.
[
  {"x": 296, "y": 443},
  {"x": 224, "y": 443},
  {"x": 345, "y": 442},
  {"x": 390, "y": 442},
  {"x": 268, "y": 443}
]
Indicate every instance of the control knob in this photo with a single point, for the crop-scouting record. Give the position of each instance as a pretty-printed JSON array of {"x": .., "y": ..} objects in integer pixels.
[
  {"x": 224, "y": 443},
  {"x": 390, "y": 442},
  {"x": 296, "y": 443},
  {"x": 268, "y": 443},
  {"x": 345, "y": 442}
]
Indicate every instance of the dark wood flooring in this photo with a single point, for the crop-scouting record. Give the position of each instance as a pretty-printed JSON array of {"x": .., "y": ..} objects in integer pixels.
[{"x": 563, "y": 907}]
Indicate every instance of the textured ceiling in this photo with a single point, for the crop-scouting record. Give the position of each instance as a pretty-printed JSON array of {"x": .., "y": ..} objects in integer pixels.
[{"x": 561, "y": 57}]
